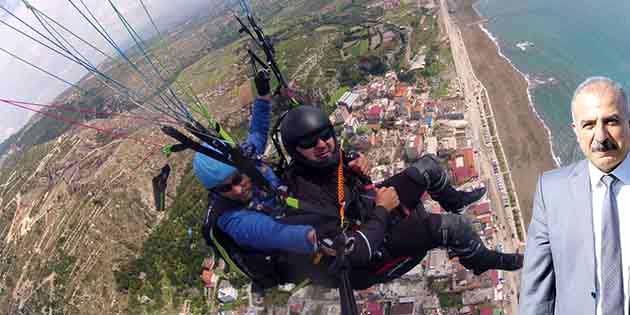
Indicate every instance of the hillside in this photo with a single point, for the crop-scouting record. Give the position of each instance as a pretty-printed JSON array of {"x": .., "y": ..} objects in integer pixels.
[{"x": 73, "y": 210}]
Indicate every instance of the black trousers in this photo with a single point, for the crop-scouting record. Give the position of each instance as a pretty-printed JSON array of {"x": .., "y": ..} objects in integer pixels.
[{"x": 419, "y": 232}]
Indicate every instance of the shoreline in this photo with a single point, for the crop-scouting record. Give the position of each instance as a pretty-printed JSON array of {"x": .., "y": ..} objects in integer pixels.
[
  {"x": 494, "y": 39},
  {"x": 524, "y": 137}
]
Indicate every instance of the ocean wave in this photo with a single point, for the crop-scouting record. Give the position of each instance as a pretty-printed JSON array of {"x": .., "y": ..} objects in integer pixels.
[
  {"x": 530, "y": 87},
  {"x": 537, "y": 81},
  {"x": 523, "y": 46}
]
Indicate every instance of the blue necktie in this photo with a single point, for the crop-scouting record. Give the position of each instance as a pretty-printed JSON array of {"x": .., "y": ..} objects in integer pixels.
[{"x": 612, "y": 294}]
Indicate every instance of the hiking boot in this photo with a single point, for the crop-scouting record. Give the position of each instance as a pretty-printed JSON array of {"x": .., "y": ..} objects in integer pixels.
[
  {"x": 467, "y": 199},
  {"x": 489, "y": 259}
]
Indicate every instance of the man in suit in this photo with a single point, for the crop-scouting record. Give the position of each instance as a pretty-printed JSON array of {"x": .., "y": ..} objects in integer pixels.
[{"x": 577, "y": 254}]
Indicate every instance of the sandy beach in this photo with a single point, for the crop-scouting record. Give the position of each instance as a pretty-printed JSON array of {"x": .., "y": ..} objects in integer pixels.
[{"x": 523, "y": 136}]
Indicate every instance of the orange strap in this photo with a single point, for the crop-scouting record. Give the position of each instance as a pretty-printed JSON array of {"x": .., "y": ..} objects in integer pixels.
[{"x": 341, "y": 195}]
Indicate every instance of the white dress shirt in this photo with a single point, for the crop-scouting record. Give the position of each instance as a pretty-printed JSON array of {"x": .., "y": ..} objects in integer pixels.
[{"x": 622, "y": 193}]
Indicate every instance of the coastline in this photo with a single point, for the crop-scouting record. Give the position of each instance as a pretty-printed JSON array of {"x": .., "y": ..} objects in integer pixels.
[
  {"x": 494, "y": 39},
  {"x": 527, "y": 147}
]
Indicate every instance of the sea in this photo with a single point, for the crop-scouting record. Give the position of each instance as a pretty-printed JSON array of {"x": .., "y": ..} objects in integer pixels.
[{"x": 556, "y": 45}]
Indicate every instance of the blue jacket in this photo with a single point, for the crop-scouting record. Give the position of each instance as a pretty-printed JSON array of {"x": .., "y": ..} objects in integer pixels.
[{"x": 249, "y": 227}]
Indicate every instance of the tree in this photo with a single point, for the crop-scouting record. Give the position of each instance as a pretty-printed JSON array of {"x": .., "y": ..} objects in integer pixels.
[{"x": 362, "y": 130}]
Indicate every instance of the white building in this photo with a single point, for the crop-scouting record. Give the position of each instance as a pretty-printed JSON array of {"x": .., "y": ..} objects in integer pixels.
[
  {"x": 431, "y": 145},
  {"x": 227, "y": 294},
  {"x": 348, "y": 98}
]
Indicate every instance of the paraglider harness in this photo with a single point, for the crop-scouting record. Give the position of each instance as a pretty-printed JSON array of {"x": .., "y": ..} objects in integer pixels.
[{"x": 260, "y": 268}]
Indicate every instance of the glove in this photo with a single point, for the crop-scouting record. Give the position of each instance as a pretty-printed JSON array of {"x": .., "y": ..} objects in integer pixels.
[
  {"x": 350, "y": 250},
  {"x": 248, "y": 150},
  {"x": 328, "y": 229},
  {"x": 262, "y": 81},
  {"x": 335, "y": 246}
]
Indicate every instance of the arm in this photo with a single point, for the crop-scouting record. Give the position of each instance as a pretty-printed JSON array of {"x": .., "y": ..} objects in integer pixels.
[
  {"x": 371, "y": 235},
  {"x": 538, "y": 288},
  {"x": 259, "y": 126},
  {"x": 261, "y": 232},
  {"x": 369, "y": 238}
]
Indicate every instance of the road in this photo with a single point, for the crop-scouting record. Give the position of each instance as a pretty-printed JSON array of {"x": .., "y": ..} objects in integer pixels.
[{"x": 474, "y": 97}]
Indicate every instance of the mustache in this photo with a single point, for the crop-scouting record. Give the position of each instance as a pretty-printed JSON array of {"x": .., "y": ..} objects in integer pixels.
[{"x": 604, "y": 146}]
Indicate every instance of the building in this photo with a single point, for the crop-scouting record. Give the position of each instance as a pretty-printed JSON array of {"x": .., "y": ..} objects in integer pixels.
[
  {"x": 227, "y": 293},
  {"x": 414, "y": 148},
  {"x": 375, "y": 90},
  {"x": 401, "y": 90},
  {"x": 463, "y": 166},
  {"x": 391, "y": 4},
  {"x": 419, "y": 62},
  {"x": 415, "y": 112},
  {"x": 339, "y": 116},
  {"x": 449, "y": 143},
  {"x": 391, "y": 75},
  {"x": 403, "y": 309},
  {"x": 485, "y": 219},
  {"x": 375, "y": 115},
  {"x": 494, "y": 275},
  {"x": 462, "y": 277},
  {"x": 371, "y": 308},
  {"x": 477, "y": 296},
  {"x": 431, "y": 145},
  {"x": 451, "y": 116},
  {"x": 429, "y": 121},
  {"x": 481, "y": 208},
  {"x": 348, "y": 99},
  {"x": 351, "y": 124},
  {"x": 296, "y": 309},
  {"x": 458, "y": 124}
]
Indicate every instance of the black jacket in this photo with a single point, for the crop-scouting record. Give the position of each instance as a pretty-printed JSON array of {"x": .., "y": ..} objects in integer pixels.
[{"x": 319, "y": 188}]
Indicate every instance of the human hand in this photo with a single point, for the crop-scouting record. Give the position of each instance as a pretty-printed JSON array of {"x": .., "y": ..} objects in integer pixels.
[
  {"x": 324, "y": 236},
  {"x": 263, "y": 83},
  {"x": 360, "y": 165},
  {"x": 327, "y": 247},
  {"x": 387, "y": 198}
]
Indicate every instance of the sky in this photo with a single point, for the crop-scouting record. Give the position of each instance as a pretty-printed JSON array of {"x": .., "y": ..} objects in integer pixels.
[{"x": 19, "y": 81}]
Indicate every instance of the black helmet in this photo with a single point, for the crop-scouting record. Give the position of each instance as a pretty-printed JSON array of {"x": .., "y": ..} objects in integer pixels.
[{"x": 301, "y": 122}]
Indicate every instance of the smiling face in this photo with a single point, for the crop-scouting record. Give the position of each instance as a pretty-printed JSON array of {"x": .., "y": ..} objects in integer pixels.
[
  {"x": 239, "y": 190},
  {"x": 601, "y": 124}
]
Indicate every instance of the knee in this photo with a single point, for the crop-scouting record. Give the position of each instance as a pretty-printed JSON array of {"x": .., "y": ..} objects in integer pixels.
[
  {"x": 456, "y": 231},
  {"x": 428, "y": 171}
]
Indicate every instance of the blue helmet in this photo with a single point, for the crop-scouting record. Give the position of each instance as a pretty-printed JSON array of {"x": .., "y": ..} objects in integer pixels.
[{"x": 209, "y": 171}]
